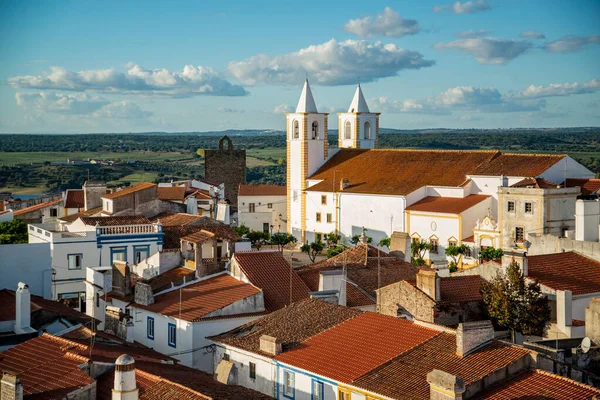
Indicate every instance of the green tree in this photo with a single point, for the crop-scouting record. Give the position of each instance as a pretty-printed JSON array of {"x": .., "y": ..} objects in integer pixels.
[
  {"x": 456, "y": 251},
  {"x": 313, "y": 249},
  {"x": 385, "y": 242},
  {"x": 490, "y": 253},
  {"x": 281, "y": 239},
  {"x": 332, "y": 239},
  {"x": 14, "y": 231},
  {"x": 515, "y": 304},
  {"x": 241, "y": 230},
  {"x": 257, "y": 238},
  {"x": 335, "y": 250},
  {"x": 417, "y": 251},
  {"x": 356, "y": 238}
]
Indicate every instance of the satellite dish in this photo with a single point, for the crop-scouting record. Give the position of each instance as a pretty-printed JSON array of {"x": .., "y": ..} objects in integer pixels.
[{"x": 586, "y": 343}]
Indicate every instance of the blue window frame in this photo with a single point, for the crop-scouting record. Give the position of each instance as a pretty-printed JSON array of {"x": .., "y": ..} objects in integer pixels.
[
  {"x": 317, "y": 390},
  {"x": 118, "y": 254},
  {"x": 74, "y": 261},
  {"x": 140, "y": 253},
  {"x": 172, "y": 335},
  {"x": 150, "y": 328},
  {"x": 289, "y": 388}
]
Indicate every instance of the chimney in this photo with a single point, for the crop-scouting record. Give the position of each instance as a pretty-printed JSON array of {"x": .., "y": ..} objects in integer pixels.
[
  {"x": 23, "y": 309},
  {"x": 270, "y": 345},
  {"x": 11, "y": 387},
  {"x": 400, "y": 246},
  {"x": 121, "y": 278},
  {"x": 223, "y": 212},
  {"x": 143, "y": 294},
  {"x": 470, "y": 336},
  {"x": 125, "y": 387},
  {"x": 92, "y": 194},
  {"x": 428, "y": 281},
  {"x": 517, "y": 255},
  {"x": 564, "y": 316},
  {"x": 344, "y": 183},
  {"x": 444, "y": 386},
  {"x": 334, "y": 280}
]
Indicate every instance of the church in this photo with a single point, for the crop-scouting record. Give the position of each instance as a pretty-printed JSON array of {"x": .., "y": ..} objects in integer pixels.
[{"x": 439, "y": 196}]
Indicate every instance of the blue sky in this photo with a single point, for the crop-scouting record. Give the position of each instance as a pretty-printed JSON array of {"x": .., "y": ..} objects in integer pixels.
[{"x": 115, "y": 66}]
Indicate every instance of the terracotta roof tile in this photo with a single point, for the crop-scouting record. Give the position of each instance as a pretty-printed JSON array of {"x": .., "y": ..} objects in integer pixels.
[
  {"x": 202, "y": 298},
  {"x": 355, "y": 297},
  {"x": 114, "y": 221},
  {"x": 588, "y": 186},
  {"x": 173, "y": 234},
  {"x": 199, "y": 194},
  {"x": 75, "y": 198},
  {"x": 566, "y": 271},
  {"x": 270, "y": 271},
  {"x": 87, "y": 213},
  {"x": 130, "y": 190},
  {"x": 36, "y": 207},
  {"x": 448, "y": 205},
  {"x": 404, "y": 377},
  {"x": 461, "y": 289},
  {"x": 539, "y": 385},
  {"x": 357, "y": 346},
  {"x": 171, "y": 193},
  {"x": 47, "y": 367},
  {"x": 175, "y": 219},
  {"x": 262, "y": 190},
  {"x": 526, "y": 165},
  {"x": 198, "y": 237},
  {"x": 470, "y": 239},
  {"x": 291, "y": 325},
  {"x": 397, "y": 172},
  {"x": 176, "y": 276},
  {"x": 535, "y": 183}
]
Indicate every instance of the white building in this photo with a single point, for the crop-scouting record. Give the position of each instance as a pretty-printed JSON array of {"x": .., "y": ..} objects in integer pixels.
[{"x": 262, "y": 208}]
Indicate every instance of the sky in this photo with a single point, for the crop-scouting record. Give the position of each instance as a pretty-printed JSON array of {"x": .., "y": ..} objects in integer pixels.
[{"x": 181, "y": 66}]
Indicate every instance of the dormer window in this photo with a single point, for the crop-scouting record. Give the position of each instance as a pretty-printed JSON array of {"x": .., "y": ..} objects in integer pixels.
[
  {"x": 348, "y": 130},
  {"x": 315, "y": 130},
  {"x": 296, "y": 128}
]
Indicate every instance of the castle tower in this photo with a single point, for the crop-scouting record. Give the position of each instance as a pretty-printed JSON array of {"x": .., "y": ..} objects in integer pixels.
[
  {"x": 307, "y": 150},
  {"x": 226, "y": 166},
  {"x": 125, "y": 387},
  {"x": 358, "y": 128}
]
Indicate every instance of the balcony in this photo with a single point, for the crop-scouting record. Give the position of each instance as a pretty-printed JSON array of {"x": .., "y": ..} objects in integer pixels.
[{"x": 128, "y": 229}]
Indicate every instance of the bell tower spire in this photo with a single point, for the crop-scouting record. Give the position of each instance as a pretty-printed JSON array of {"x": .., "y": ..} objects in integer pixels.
[
  {"x": 359, "y": 127},
  {"x": 306, "y": 104}
]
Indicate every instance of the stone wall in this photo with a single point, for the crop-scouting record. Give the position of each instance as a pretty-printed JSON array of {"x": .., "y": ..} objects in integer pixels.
[
  {"x": 548, "y": 244},
  {"x": 133, "y": 200},
  {"x": 227, "y": 166},
  {"x": 451, "y": 314},
  {"x": 403, "y": 298}
]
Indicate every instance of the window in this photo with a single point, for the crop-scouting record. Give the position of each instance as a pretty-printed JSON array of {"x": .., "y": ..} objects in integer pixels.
[
  {"x": 150, "y": 328},
  {"x": 317, "y": 390},
  {"x": 75, "y": 261},
  {"x": 141, "y": 253},
  {"x": 467, "y": 252},
  {"x": 296, "y": 129},
  {"x": 416, "y": 239},
  {"x": 343, "y": 394},
  {"x": 434, "y": 245},
  {"x": 266, "y": 227},
  {"x": 97, "y": 299},
  {"x": 315, "y": 130},
  {"x": 318, "y": 217},
  {"x": 367, "y": 130},
  {"x": 269, "y": 205},
  {"x": 225, "y": 356},
  {"x": 329, "y": 218},
  {"x": 288, "y": 384},
  {"x": 348, "y": 130},
  {"x": 452, "y": 243},
  {"x": 318, "y": 237},
  {"x": 118, "y": 254},
  {"x": 251, "y": 207},
  {"x": 323, "y": 199},
  {"x": 252, "y": 370},
  {"x": 511, "y": 206},
  {"x": 172, "y": 335},
  {"x": 53, "y": 212},
  {"x": 528, "y": 208},
  {"x": 519, "y": 233}
]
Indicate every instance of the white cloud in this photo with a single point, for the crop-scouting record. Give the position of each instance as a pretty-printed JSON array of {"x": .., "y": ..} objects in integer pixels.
[
  {"x": 331, "y": 63},
  {"x": 191, "y": 81},
  {"x": 229, "y": 110},
  {"x": 412, "y": 106},
  {"x": 470, "y": 34},
  {"x": 488, "y": 50},
  {"x": 468, "y": 95},
  {"x": 466, "y": 7},
  {"x": 122, "y": 110},
  {"x": 559, "y": 89},
  {"x": 571, "y": 43},
  {"x": 387, "y": 23},
  {"x": 532, "y": 35},
  {"x": 282, "y": 109}
]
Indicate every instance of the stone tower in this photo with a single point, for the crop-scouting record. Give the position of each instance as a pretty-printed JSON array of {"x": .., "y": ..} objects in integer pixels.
[
  {"x": 227, "y": 166},
  {"x": 358, "y": 128}
]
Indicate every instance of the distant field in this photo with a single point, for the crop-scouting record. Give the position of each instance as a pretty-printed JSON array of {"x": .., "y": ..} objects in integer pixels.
[
  {"x": 273, "y": 152},
  {"x": 137, "y": 177},
  {"x": 10, "y": 158}
]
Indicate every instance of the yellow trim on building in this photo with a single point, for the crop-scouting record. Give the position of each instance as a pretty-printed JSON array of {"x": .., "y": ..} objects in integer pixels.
[
  {"x": 326, "y": 137},
  {"x": 357, "y": 132}
]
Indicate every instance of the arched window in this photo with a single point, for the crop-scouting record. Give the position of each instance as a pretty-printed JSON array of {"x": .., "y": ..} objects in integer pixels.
[
  {"x": 315, "y": 130},
  {"x": 348, "y": 130},
  {"x": 367, "y": 130},
  {"x": 296, "y": 129}
]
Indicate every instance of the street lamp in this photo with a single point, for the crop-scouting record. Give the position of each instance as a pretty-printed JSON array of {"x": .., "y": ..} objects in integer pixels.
[{"x": 271, "y": 226}]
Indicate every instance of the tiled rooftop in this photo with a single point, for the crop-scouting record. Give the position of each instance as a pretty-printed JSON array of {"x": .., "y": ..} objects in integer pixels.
[
  {"x": 535, "y": 183},
  {"x": 114, "y": 221},
  {"x": 566, "y": 271},
  {"x": 357, "y": 346},
  {"x": 171, "y": 193},
  {"x": 539, "y": 385},
  {"x": 173, "y": 234},
  {"x": 202, "y": 298},
  {"x": 404, "y": 377},
  {"x": 355, "y": 297},
  {"x": 87, "y": 213},
  {"x": 270, "y": 271},
  {"x": 176, "y": 275},
  {"x": 461, "y": 289},
  {"x": 526, "y": 165},
  {"x": 36, "y": 207},
  {"x": 261, "y": 190},
  {"x": 291, "y": 325},
  {"x": 198, "y": 237},
  {"x": 48, "y": 366},
  {"x": 588, "y": 186},
  {"x": 130, "y": 190},
  {"x": 75, "y": 198},
  {"x": 168, "y": 218},
  {"x": 448, "y": 205}
]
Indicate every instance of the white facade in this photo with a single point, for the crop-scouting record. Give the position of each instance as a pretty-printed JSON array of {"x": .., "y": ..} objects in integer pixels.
[
  {"x": 587, "y": 220},
  {"x": 29, "y": 263},
  {"x": 260, "y": 212}
]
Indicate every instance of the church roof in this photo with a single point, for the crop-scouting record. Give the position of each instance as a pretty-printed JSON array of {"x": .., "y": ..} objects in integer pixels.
[
  {"x": 358, "y": 102},
  {"x": 306, "y": 104}
]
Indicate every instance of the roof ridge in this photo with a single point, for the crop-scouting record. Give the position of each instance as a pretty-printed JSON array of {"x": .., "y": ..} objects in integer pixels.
[
  {"x": 536, "y": 154},
  {"x": 65, "y": 342},
  {"x": 564, "y": 378},
  {"x": 433, "y": 150}
]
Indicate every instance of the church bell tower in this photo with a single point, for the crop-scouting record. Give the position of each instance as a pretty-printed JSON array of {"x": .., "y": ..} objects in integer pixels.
[{"x": 358, "y": 128}]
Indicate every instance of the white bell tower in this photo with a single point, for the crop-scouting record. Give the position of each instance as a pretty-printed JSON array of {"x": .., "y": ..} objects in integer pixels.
[
  {"x": 307, "y": 150},
  {"x": 358, "y": 128}
]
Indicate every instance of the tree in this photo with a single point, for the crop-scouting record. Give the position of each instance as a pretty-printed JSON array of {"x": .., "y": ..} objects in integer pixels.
[
  {"x": 335, "y": 250},
  {"x": 455, "y": 251},
  {"x": 356, "y": 238},
  {"x": 385, "y": 242},
  {"x": 257, "y": 238},
  {"x": 417, "y": 251},
  {"x": 241, "y": 230},
  {"x": 14, "y": 231},
  {"x": 515, "y": 304},
  {"x": 332, "y": 239},
  {"x": 282, "y": 239},
  {"x": 312, "y": 249},
  {"x": 490, "y": 253}
]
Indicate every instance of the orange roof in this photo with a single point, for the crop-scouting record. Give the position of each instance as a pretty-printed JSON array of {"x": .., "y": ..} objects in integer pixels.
[
  {"x": 75, "y": 198},
  {"x": 176, "y": 275},
  {"x": 566, "y": 271},
  {"x": 540, "y": 385},
  {"x": 36, "y": 207},
  {"x": 588, "y": 186},
  {"x": 357, "y": 346},
  {"x": 171, "y": 193},
  {"x": 535, "y": 183},
  {"x": 461, "y": 289},
  {"x": 48, "y": 366},
  {"x": 168, "y": 218},
  {"x": 202, "y": 298},
  {"x": 270, "y": 271},
  {"x": 261, "y": 190},
  {"x": 448, "y": 205},
  {"x": 526, "y": 165},
  {"x": 405, "y": 376},
  {"x": 114, "y": 221},
  {"x": 355, "y": 297},
  {"x": 129, "y": 190},
  {"x": 199, "y": 236},
  {"x": 398, "y": 171}
]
